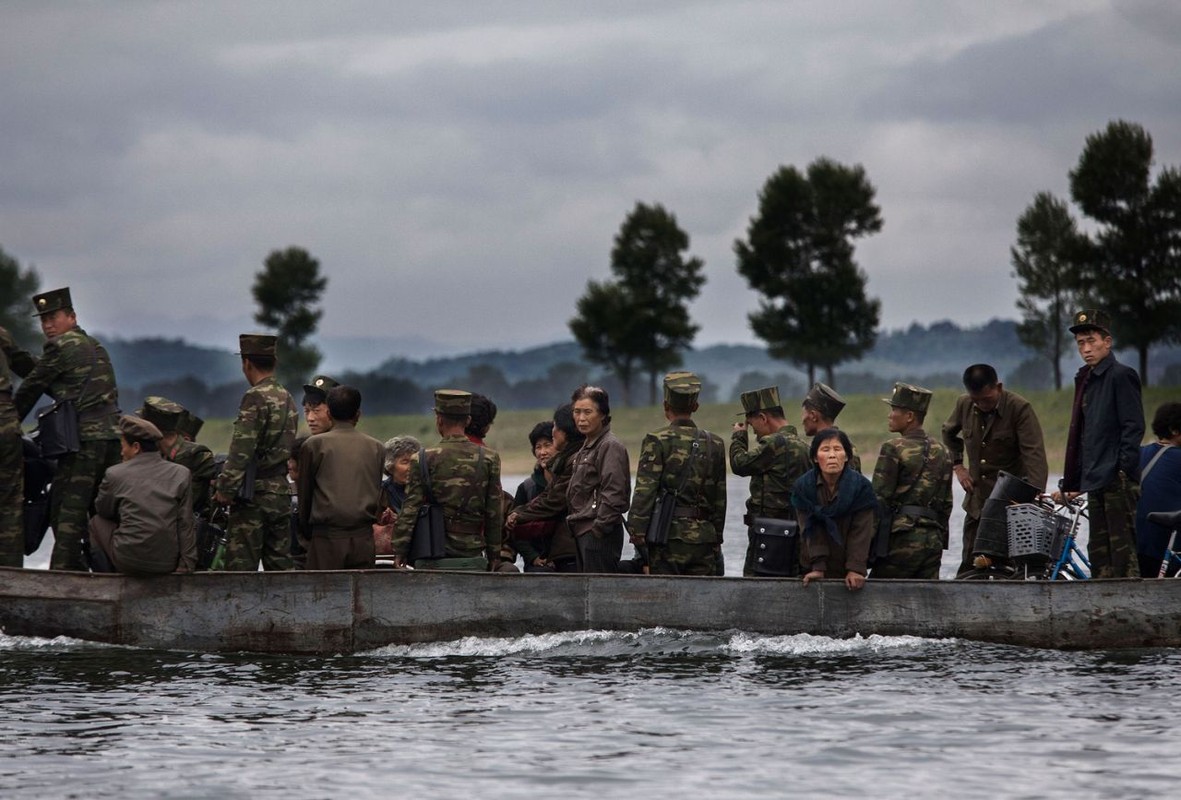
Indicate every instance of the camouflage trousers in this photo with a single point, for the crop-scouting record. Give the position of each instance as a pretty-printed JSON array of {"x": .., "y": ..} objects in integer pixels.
[
  {"x": 914, "y": 553},
  {"x": 71, "y": 500},
  {"x": 683, "y": 558},
  {"x": 1111, "y": 547},
  {"x": 259, "y": 529},
  {"x": 12, "y": 489}
]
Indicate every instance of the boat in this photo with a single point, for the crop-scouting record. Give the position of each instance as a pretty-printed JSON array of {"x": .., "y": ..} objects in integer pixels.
[{"x": 360, "y": 610}]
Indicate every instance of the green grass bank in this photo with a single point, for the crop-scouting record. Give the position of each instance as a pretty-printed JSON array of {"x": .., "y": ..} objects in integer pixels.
[{"x": 864, "y": 419}]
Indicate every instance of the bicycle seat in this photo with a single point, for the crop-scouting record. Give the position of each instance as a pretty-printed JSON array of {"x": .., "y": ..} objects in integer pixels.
[{"x": 1166, "y": 519}]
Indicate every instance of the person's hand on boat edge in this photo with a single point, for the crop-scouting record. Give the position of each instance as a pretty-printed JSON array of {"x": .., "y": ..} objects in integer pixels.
[{"x": 853, "y": 580}]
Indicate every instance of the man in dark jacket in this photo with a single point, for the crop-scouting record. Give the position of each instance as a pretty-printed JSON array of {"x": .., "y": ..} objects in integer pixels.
[{"x": 1103, "y": 447}]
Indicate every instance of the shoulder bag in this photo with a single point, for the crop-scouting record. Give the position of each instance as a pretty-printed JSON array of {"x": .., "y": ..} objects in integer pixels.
[{"x": 429, "y": 539}]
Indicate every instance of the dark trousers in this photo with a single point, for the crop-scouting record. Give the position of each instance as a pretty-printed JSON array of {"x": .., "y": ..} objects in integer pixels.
[
  {"x": 342, "y": 552},
  {"x": 970, "y": 525},
  {"x": 600, "y": 553}
]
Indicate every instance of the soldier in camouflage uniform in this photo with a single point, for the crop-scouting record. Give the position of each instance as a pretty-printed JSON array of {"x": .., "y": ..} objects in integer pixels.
[
  {"x": 681, "y": 455},
  {"x": 465, "y": 481},
  {"x": 166, "y": 415},
  {"x": 12, "y": 463},
  {"x": 259, "y": 525},
  {"x": 775, "y": 463},
  {"x": 913, "y": 479},
  {"x": 73, "y": 365},
  {"x": 821, "y": 407}
]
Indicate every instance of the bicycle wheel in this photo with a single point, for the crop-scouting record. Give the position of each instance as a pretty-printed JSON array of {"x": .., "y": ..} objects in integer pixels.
[{"x": 988, "y": 574}]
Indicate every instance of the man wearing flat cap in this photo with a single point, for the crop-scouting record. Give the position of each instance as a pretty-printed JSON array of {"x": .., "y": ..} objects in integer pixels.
[
  {"x": 912, "y": 481},
  {"x": 189, "y": 425},
  {"x": 464, "y": 479},
  {"x": 315, "y": 403},
  {"x": 144, "y": 520},
  {"x": 996, "y": 430},
  {"x": 196, "y": 458},
  {"x": 253, "y": 482},
  {"x": 73, "y": 366},
  {"x": 687, "y": 465},
  {"x": 1103, "y": 446},
  {"x": 821, "y": 407},
  {"x": 777, "y": 460}
]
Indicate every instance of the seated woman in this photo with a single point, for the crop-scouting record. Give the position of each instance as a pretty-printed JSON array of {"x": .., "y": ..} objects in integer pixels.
[
  {"x": 398, "y": 453},
  {"x": 538, "y": 528},
  {"x": 836, "y": 509}
]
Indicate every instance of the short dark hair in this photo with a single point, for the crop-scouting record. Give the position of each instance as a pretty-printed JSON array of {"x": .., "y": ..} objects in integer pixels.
[
  {"x": 979, "y": 377},
  {"x": 344, "y": 403},
  {"x": 483, "y": 414},
  {"x": 597, "y": 395},
  {"x": 542, "y": 430},
  {"x": 264, "y": 363},
  {"x": 823, "y": 436},
  {"x": 682, "y": 403},
  {"x": 1166, "y": 421},
  {"x": 773, "y": 411},
  {"x": 564, "y": 421},
  {"x": 145, "y": 445}
]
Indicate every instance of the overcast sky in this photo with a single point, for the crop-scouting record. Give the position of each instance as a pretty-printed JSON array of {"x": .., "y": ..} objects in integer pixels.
[{"x": 460, "y": 168}]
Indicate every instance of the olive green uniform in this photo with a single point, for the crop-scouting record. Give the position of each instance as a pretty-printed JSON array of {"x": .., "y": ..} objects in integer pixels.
[{"x": 12, "y": 467}]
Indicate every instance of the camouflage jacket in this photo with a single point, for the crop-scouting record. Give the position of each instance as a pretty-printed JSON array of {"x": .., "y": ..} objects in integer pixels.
[
  {"x": 900, "y": 462},
  {"x": 777, "y": 461},
  {"x": 199, "y": 460},
  {"x": 465, "y": 480},
  {"x": 661, "y": 466},
  {"x": 263, "y": 432},
  {"x": 12, "y": 358},
  {"x": 75, "y": 366}
]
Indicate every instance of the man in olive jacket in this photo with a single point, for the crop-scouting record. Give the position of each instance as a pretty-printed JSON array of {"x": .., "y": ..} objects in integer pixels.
[
  {"x": 144, "y": 524},
  {"x": 999, "y": 431}
]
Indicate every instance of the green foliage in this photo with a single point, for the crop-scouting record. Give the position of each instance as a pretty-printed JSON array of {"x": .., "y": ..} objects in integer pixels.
[
  {"x": 1134, "y": 271},
  {"x": 1049, "y": 257},
  {"x": 639, "y": 322},
  {"x": 17, "y": 288},
  {"x": 287, "y": 292},
  {"x": 799, "y": 255}
]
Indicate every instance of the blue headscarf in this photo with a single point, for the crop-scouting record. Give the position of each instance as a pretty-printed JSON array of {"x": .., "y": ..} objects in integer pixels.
[{"x": 854, "y": 493}]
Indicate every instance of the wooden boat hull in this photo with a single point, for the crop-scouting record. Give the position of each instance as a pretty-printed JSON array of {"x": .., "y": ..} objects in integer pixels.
[{"x": 346, "y": 612}]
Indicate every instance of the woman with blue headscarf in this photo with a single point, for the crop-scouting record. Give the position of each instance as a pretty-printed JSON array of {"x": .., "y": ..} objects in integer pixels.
[{"x": 836, "y": 509}]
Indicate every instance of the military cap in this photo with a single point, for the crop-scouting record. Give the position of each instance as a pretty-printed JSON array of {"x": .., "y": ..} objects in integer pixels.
[
  {"x": 760, "y": 400},
  {"x": 317, "y": 390},
  {"x": 824, "y": 399},
  {"x": 55, "y": 300},
  {"x": 138, "y": 429},
  {"x": 257, "y": 344},
  {"x": 1091, "y": 319},
  {"x": 189, "y": 424},
  {"x": 912, "y": 398},
  {"x": 453, "y": 402},
  {"x": 683, "y": 384},
  {"x": 162, "y": 412}
]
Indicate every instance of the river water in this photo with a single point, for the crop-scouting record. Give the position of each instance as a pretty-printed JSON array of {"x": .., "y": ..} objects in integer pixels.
[{"x": 654, "y": 713}]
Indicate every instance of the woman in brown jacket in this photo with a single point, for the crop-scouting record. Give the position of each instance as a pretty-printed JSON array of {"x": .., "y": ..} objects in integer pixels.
[
  {"x": 599, "y": 494},
  {"x": 836, "y": 509}
]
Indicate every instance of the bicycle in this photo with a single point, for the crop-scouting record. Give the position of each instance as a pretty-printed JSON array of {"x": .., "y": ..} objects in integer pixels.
[
  {"x": 1043, "y": 540},
  {"x": 1172, "y": 559}
]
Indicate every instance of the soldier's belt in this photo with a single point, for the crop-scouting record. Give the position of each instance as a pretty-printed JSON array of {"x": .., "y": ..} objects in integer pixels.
[
  {"x": 749, "y": 519},
  {"x": 277, "y": 471},
  {"x": 464, "y": 528},
  {"x": 93, "y": 414},
  {"x": 919, "y": 511},
  {"x": 690, "y": 513}
]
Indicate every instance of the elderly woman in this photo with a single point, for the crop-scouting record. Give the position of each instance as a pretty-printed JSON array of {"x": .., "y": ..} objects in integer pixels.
[
  {"x": 600, "y": 488},
  {"x": 836, "y": 509},
  {"x": 398, "y": 452}
]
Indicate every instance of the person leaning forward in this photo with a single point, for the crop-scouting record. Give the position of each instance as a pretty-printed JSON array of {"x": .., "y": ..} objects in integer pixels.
[
  {"x": 465, "y": 481},
  {"x": 259, "y": 525},
  {"x": 197, "y": 458},
  {"x": 997, "y": 430},
  {"x": 339, "y": 488},
  {"x": 73, "y": 366},
  {"x": 1103, "y": 447},
  {"x": 912, "y": 480},
  {"x": 144, "y": 520},
  {"x": 690, "y": 464},
  {"x": 774, "y": 464}
]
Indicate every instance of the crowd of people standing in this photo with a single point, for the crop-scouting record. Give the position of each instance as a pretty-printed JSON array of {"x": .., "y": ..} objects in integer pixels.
[{"x": 131, "y": 491}]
